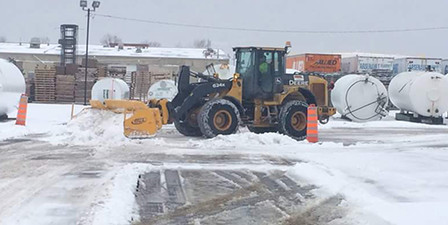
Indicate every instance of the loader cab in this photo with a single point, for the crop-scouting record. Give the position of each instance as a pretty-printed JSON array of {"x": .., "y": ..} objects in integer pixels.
[{"x": 261, "y": 70}]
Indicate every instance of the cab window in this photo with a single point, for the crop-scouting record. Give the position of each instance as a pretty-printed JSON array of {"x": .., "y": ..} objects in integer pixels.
[{"x": 244, "y": 61}]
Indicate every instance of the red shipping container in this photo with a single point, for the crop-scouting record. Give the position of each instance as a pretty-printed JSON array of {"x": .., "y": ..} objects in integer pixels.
[{"x": 319, "y": 63}]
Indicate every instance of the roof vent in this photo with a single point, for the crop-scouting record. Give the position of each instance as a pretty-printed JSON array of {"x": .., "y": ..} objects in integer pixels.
[{"x": 35, "y": 42}]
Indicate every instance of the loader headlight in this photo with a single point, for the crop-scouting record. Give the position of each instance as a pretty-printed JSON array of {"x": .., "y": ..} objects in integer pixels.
[{"x": 236, "y": 76}]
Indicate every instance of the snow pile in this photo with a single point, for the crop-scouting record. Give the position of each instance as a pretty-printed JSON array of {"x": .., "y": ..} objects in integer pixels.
[
  {"x": 92, "y": 127},
  {"x": 245, "y": 138}
]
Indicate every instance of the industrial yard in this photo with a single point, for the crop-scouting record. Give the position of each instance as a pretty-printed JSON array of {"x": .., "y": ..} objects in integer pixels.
[{"x": 376, "y": 173}]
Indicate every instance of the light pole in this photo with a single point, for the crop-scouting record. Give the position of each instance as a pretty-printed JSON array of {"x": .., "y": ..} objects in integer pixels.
[{"x": 84, "y": 6}]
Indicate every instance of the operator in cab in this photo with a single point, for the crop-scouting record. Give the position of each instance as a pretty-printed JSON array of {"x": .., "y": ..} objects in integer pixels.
[{"x": 264, "y": 69}]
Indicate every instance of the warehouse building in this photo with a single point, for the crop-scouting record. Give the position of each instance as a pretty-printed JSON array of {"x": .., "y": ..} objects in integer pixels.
[
  {"x": 49, "y": 80},
  {"x": 158, "y": 59}
]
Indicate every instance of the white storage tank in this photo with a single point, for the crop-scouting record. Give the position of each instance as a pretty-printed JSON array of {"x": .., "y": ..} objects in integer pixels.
[
  {"x": 12, "y": 86},
  {"x": 360, "y": 98},
  {"x": 424, "y": 93},
  {"x": 110, "y": 88},
  {"x": 163, "y": 89}
]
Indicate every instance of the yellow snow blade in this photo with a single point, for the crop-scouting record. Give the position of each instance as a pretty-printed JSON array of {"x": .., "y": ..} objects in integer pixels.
[
  {"x": 97, "y": 104},
  {"x": 140, "y": 121}
]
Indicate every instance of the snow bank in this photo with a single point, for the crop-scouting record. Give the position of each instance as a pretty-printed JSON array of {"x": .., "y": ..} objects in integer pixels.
[
  {"x": 387, "y": 122},
  {"x": 242, "y": 139},
  {"x": 251, "y": 142},
  {"x": 117, "y": 205},
  {"x": 91, "y": 127}
]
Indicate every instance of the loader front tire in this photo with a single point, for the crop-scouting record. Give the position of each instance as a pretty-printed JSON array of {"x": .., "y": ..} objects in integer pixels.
[
  {"x": 293, "y": 119},
  {"x": 218, "y": 117},
  {"x": 189, "y": 127},
  {"x": 187, "y": 130}
]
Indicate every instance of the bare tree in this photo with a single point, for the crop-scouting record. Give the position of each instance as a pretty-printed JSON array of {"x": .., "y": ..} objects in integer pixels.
[
  {"x": 109, "y": 39},
  {"x": 154, "y": 44},
  {"x": 203, "y": 43},
  {"x": 179, "y": 45},
  {"x": 2, "y": 39},
  {"x": 45, "y": 40}
]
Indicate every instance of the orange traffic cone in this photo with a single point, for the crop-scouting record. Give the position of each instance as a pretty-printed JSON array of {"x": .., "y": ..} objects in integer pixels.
[
  {"x": 21, "y": 114},
  {"x": 312, "y": 124}
]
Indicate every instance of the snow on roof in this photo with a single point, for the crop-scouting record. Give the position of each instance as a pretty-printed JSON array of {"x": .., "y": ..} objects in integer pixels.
[
  {"x": 365, "y": 54},
  {"x": 379, "y": 55},
  {"x": 98, "y": 50}
]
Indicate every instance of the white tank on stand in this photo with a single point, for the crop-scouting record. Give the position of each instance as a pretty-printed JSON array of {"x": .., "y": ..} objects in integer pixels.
[
  {"x": 110, "y": 88},
  {"x": 163, "y": 89},
  {"x": 423, "y": 93},
  {"x": 12, "y": 86},
  {"x": 360, "y": 98}
]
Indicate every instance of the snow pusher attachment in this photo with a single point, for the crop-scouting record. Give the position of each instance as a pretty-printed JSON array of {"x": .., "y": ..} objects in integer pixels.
[{"x": 140, "y": 121}]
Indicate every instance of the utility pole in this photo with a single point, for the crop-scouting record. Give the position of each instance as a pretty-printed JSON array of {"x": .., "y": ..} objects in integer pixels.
[{"x": 95, "y": 5}]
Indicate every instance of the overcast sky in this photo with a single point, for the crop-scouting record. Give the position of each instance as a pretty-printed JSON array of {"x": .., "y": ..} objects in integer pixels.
[{"x": 23, "y": 19}]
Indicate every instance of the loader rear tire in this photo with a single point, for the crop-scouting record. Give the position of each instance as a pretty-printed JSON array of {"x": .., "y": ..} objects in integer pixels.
[
  {"x": 218, "y": 117},
  {"x": 293, "y": 119},
  {"x": 262, "y": 130}
]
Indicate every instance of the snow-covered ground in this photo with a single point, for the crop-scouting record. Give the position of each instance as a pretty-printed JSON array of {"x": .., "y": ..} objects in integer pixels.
[
  {"x": 58, "y": 171},
  {"x": 41, "y": 118}
]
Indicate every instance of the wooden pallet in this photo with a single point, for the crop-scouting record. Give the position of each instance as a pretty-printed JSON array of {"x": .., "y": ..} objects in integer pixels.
[
  {"x": 140, "y": 83},
  {"x": 65, "y": 88},
  {"x": 45, "y": 84}
]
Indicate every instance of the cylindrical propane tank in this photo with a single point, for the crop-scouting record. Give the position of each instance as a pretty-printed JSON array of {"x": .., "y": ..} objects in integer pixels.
[
  {"x": 163, "y": 89},
  {"x": 12, "y": 86},
  {"x": 424, "y": 93},
  {"x": 110, "y": 88},
  {"x": 360, "y": 98}
]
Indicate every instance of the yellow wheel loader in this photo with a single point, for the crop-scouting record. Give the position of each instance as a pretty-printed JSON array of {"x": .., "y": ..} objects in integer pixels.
[{"x": 260, "y": 96}]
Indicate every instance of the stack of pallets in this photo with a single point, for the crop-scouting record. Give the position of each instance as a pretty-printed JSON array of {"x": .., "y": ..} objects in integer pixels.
[
  {"x": 161, "y": 76},
  {"x": 30, "y": 88},
  {"x": 102, "y": 70},
  {"x": 92, "y": 75},
  {"x": 65, "y": 88},
  {"x": 140, "y": 83},
  {"x": 45, "y": 84}
]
